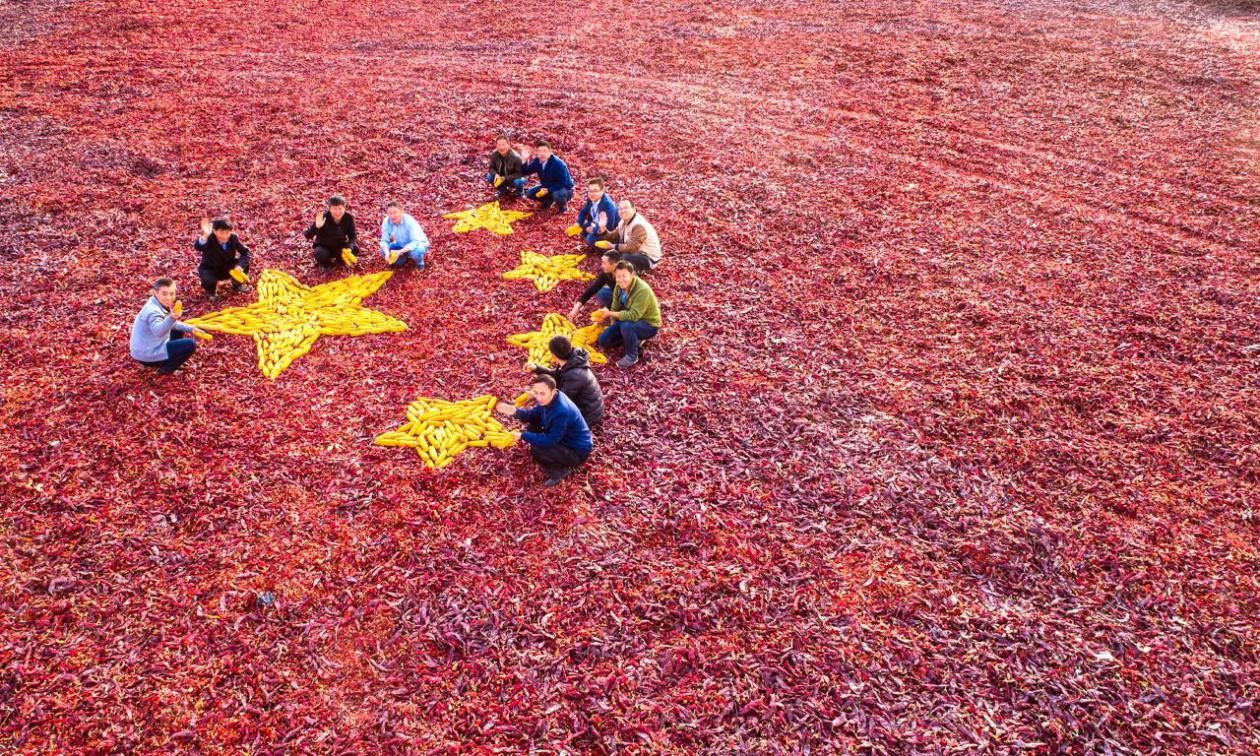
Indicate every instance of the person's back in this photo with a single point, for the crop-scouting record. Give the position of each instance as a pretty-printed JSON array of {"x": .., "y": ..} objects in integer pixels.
[{"x": 578, "y": 382}]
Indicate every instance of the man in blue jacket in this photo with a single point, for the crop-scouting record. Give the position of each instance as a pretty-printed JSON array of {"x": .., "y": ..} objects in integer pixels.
[
  {"x": 151, "y": 342},
  {"x": 597, "y": 217},
  {"x": 555, "y": 183},
  {"x": 559, "y": 439}
]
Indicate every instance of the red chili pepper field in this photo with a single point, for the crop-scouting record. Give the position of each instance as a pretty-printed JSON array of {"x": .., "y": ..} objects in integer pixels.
[{"x": 950, "y": 440}]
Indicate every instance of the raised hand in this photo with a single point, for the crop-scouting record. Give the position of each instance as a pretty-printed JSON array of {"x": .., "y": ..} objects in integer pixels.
[
  {"x": 206, "y": 228},
  {"x": 319, "y": 218}
]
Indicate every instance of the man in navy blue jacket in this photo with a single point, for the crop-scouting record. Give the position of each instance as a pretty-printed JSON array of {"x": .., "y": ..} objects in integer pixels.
[
  {"x": 597, "y": 217},
  {"x": 555, "y": 183},
  {"x": 558, "y": 437},
  {"x": 223, "y": 257}
]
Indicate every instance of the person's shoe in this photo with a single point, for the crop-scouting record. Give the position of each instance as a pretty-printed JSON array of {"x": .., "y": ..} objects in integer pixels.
[
  {"x": 627, "y": 362},
  {"x": 420, "y": 266},
  {"x": 213, "y": 297},
  {"x": 557, "y": 476}
]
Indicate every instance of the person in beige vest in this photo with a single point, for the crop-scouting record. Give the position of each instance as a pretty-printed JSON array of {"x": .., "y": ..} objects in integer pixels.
[{"x": 634, "y": 238}]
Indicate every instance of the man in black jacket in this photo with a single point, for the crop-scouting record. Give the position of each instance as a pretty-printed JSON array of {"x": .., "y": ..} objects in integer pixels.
[
  {"x": 505, "y": 169},
  {"x": 223, "y": 256},
  {"x": 333, "y": 234},
  {"x": 575, "y": 379},
  {"x": 601, "y": 286}
]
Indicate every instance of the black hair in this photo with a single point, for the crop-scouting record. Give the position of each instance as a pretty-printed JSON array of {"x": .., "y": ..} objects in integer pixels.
[
  {"x": 163, "y": 282},
  {"x": 542, "y": 143},
  {"x": 545, "y": 380},
  {"x": 596, "y": 182},
  {"x": 625, "y": 265},
  {"x": 613, "y": 256},
  {"x": 394, "y": 203},
  {"x": 336, "y": 199},
  {"x": 221, "y": 224},
  {"x": 561, "y": 347}
]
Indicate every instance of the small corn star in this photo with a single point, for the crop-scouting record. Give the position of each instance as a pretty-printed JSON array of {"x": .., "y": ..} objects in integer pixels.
[
  {"x": 489, "y": 216},
  {"x": 289, "y": 316},
  {"x": 556, "y": 324},
  {"x": 439, "y": 430},
  {"x": 547, "y": 272}
]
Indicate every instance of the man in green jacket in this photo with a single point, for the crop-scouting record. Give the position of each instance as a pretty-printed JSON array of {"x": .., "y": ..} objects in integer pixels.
[{"x": 634, "y": 315}]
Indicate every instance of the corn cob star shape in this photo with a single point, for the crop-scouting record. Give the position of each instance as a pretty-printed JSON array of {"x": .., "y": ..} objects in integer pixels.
[
  {"x": 289, "y": 316},
  {"x": 489, "y": 216},
  {"x": 439, "y": 430},
  {"x": 556, "y": 324},
  {"x": 547, "y": 272}
]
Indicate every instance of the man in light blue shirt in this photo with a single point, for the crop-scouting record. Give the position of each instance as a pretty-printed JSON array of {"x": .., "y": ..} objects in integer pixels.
[
  {"x": 401, "y": 233},
  {"x": 151, "y": 342}
]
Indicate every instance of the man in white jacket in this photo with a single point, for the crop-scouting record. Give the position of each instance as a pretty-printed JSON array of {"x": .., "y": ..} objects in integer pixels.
[
  {"x": 151, "y": 342},
  {"x": 634, "y": 238}
]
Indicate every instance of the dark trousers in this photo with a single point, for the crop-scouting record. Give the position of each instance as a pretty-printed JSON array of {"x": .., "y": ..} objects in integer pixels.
[
  {"x": 632, "y": 333},
  {"x": 554, "y": 458},
  {"x": 178, "y": 350},
  {"x": 641, "y": 263},
  {"x": 325, "y": 257},
  {"x": 560, "y": 197},
  {"x": 210, "y": 278}
]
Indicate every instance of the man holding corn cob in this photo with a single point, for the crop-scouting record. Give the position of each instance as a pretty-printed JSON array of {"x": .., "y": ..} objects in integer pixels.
[
  {"x": 223, "y": 257},
  {"x": 333, "y": 234},
  {"x": 555, "y": 183},
  {"x": 634, "y": 315},
  {"x": 634, "y": 238},
  {"x": 401, "y": 235},
  {"x": 505, "y": 169},
  {"x": 151, "y": 342},
  {"x": 559, "y": 439}
]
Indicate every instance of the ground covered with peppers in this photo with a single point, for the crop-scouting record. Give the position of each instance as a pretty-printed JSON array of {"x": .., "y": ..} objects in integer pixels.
[{"x": 949, "y": 441}]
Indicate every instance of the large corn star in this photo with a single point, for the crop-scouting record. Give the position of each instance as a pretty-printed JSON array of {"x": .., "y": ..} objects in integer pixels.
[
  {"x": 289, "y": 316},
  {"x": 556, "y": 324},
  {"x": 489, "y": 216}
]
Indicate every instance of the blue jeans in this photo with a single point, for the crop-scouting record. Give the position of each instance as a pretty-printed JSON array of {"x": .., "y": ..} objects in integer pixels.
[
  {"x": 515, "y": 186},
  {"x": 417, "y": 254},
  {"x": 604, "y": 296},
  {"x": 628, "y": 332},
  {"x": 560, "y": 197},
  {"x": 178, "y": 350}
]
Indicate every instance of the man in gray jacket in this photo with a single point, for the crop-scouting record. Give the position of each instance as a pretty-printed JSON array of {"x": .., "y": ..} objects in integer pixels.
[{"x": 151, "y": 342}]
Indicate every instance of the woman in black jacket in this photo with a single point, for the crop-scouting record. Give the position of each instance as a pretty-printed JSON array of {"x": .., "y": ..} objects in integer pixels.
[{"x": 575, "y": 378}]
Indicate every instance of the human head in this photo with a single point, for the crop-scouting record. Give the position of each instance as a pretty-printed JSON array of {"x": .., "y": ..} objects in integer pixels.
[
  {"x": 625, "y": 208},
  {"x": 543, "y": 389},
  {"x": 544, "y": 151},
  {"x": 608, "y": 261},
  {"x": 395, "y": 212},
  {"x": 222, "y": 229},
  {"x": 624, "y": 273},
  {"x": 502, "y": 144},
  {"x": 595, "y": 189},
  {"x": 164, "y": 291},
  {"x": 561, "y": 348},
  {"x": 336, "y": 207}
]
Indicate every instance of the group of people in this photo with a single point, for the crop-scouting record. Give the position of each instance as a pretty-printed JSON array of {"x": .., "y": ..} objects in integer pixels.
[{"x": 566, "y": 399}]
